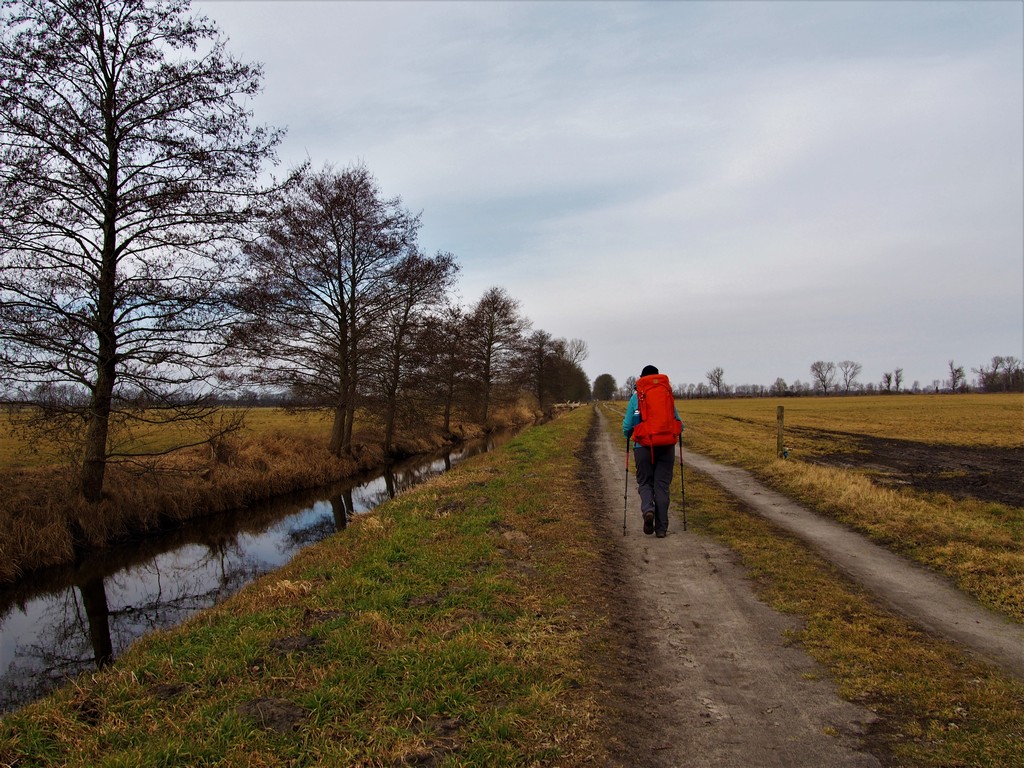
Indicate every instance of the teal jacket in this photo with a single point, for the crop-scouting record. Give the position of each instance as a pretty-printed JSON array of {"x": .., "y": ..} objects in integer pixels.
[{"x": 632, "y": 416}]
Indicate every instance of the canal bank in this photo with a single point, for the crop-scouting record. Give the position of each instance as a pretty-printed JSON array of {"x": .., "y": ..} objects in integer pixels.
[
  {"x": 65, "y": 621},
  {"x": 45, "y": 523},
  {"x": 452, "y": 623}
]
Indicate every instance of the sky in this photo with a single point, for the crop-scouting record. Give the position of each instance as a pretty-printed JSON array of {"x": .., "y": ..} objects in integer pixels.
[{"x": 747, "y": 185}]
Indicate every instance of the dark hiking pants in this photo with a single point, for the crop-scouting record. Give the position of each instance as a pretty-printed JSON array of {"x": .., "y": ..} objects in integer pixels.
[{"x": 653, "y": 479}]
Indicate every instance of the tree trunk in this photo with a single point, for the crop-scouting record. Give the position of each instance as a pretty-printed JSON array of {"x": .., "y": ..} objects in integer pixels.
[
  {"x": 337, "y": 441},
  {"x": 449, "y": 396},
  {"x": 94, "y": 600},
  {"x": 389, "y": 428},
  {"x": 94, "y": 463}
]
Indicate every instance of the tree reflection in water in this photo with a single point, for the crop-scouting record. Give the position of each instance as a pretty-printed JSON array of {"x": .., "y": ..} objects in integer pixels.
[{"x": 69, "y": 620}]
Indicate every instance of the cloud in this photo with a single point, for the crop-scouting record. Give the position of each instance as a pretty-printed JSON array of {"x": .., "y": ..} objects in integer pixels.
[{"x": 758, "y": 185}]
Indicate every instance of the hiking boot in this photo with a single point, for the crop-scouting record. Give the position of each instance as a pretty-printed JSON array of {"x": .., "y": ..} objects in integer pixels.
[
  {"x": 661, "y": 534},
  {"x": 648, "y": 523}
]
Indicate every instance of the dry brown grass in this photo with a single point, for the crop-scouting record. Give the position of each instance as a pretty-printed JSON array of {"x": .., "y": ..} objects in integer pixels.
[
  {"x": 986, "y": 420},
  {"x": 43, "y": 520}
]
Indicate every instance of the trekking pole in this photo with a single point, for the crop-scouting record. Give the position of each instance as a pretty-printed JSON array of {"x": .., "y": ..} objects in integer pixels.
[
  {"x": 625, "y": 490},
  {"x": 682, "y": 485}
]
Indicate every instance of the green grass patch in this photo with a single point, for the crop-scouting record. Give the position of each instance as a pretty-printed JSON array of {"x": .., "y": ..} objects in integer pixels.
[{"x": 435, "y": 631}]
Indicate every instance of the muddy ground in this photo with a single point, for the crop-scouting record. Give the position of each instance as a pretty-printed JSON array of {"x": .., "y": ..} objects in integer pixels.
[
  {"x": 984, "y": 473},
  {"x": 705, "y": 674}
]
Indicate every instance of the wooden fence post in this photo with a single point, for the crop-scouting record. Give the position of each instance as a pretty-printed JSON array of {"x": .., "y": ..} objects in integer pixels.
[{"x": 780, "y": 417}]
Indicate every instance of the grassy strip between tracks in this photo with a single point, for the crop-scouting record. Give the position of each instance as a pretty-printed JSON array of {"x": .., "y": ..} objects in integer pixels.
[
  {"x": 454, "y": 626},
  {"x": 936, "y": 708}
]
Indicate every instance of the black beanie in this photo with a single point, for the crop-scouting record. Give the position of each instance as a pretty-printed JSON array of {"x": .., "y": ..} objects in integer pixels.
[{"x": 648, "y": 370}]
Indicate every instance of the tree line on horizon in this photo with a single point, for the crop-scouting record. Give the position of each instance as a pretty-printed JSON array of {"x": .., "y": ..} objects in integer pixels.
[
  {"x": 1002, "y": 374},
  {"x": 148, "y": 266}
]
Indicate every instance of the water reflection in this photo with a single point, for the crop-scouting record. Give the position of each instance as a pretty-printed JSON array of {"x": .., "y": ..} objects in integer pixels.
[{"x": 70, "y": 620}]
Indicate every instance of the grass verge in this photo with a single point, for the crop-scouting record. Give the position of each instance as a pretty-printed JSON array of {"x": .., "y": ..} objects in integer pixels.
[{"x": 454, "y": 626}]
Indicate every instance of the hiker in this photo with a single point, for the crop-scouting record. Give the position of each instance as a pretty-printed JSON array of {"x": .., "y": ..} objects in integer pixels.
[{"x": 655, "y": 429}]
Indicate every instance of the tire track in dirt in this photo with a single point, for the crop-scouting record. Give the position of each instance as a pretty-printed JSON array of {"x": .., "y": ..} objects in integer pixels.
[
  {"x": 923, "y": 596},
  {"x": 706, "y": 675}
]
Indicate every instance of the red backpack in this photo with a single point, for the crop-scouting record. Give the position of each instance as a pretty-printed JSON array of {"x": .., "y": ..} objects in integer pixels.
[{"x": 658, "y": 423}]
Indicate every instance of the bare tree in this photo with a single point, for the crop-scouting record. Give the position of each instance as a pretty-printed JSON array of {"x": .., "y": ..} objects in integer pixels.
[
  {"x": 576, "y": 351},
  {"x": 779, "y": 388},
  {"x": 570, "y": 382},
  {"x": 887, "y": 381},
  {"x": 849, "y": 371},
  {"x": 1005, "y": 375},
  {"x": 897, "y": 379},
  {"x": 127, "y": 162},
  {"x": 552, "y": 368},
  {"x": 540, "y": 354},
  {"x": 496, "y": 330},
  {"x": 320, "y": 277},
  {"x": 824, "y": 374},
  {"x": 716, "y": 378},
  {"x": 444, "y": 338},
  {"x": 957, "y": 377},
  {"x": 420, "y": 285}
]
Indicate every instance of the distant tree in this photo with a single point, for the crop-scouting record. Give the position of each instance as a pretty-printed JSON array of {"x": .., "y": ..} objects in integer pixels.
[
  {"x": 779, "y": 388},
  {"x": 629, "y": 387},
  {"x": 572, "y": 383},
  {"x": 1006, "y": 374},
  {"x": 887, "y": 381},
  {"x": 321, "y": 279},
  {"x": 824, "y": 374},
  {"x": 957, "y": 377},
  {"x": 897, "y": 379},
  {"x": 540, "y": 361},
  {"x": 604, "y": 387},
  {"x": 716, "y": 378},
  {"x": 849, "y": 371},
  {"x": 552, "y": 369},
  {"x": 493, "y": 342},
  {"x": 127, "y": 164},
  {"x": 447, "y": 366},
  {"x": 575, "y": 351},
  {"x": 418, "y": 286}
]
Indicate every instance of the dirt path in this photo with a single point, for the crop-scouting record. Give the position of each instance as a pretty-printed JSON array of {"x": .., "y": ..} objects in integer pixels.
[
  {"x": 921, "y": 595},
  {"x": 708, "y": 677}
]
